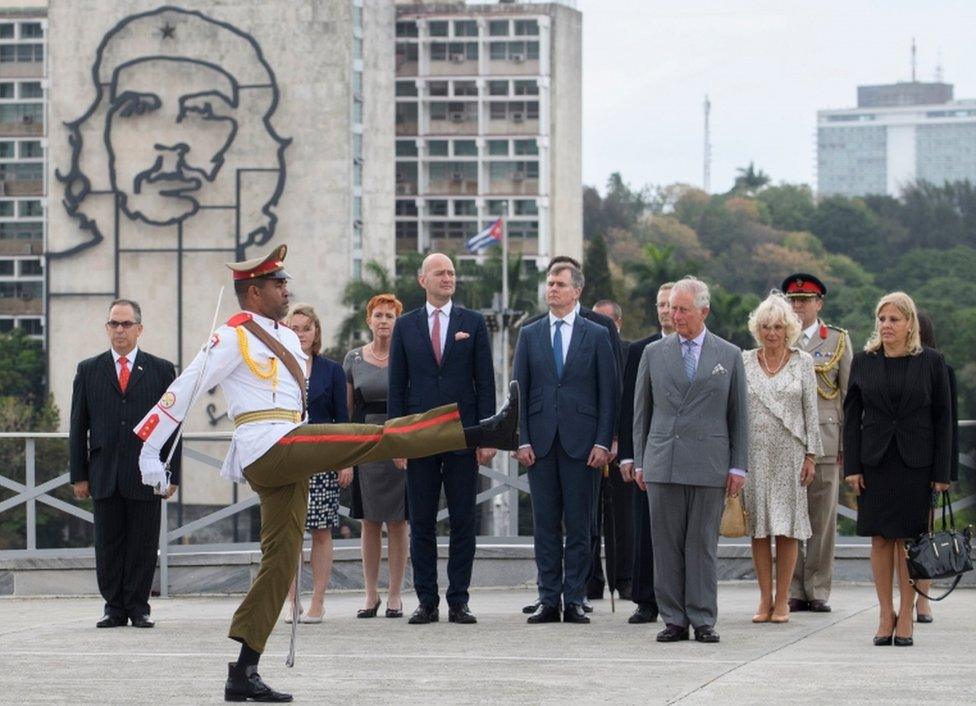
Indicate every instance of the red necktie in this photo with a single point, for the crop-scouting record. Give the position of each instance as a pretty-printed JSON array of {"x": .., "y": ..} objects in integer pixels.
[
  {"x": 435, "y": 336},
  {"x": 123, "y": 372}
]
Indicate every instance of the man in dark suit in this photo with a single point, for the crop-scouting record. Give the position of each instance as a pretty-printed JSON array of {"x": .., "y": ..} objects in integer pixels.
[
  {"x": 564, "y": 366},
  {"x": 113, "y": 391},
  {"x": 642, "y": 570},
  {"x": 440, "y": 354},
  {"x": 594, "y": 579}
]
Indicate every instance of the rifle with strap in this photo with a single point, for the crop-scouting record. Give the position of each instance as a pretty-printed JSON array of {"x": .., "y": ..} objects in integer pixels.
[{"x": 284, "y": 355}]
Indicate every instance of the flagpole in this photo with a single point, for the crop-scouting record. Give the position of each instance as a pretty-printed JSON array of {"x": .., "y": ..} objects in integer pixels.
[{"x": 507, "y": 462}]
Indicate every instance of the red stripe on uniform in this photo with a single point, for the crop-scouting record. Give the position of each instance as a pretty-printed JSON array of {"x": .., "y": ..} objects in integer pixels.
[{"x": 344, "y": 438}]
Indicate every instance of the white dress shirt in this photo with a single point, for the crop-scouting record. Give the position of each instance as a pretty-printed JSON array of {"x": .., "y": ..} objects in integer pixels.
[
  {"x": 809, "y": 332},
  {"x": 445, "y": 320},
  {"x": 565, "y": 331},
  {"x": 130, "y": 357}
]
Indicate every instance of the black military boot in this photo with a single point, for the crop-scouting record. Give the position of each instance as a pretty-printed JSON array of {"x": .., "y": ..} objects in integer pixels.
[
  {"x": 500, "y": 431},
  {"x": 245, "y": 684}
]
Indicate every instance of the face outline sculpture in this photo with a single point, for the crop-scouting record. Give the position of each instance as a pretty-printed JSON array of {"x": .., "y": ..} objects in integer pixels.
[{"x": 174, "y": 90}]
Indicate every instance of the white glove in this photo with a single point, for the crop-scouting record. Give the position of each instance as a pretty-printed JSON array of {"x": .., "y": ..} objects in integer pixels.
[{"x": 152, "y": 469}]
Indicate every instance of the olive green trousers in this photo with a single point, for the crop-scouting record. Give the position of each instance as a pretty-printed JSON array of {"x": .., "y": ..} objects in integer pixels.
[{"x": 280, "y": 478}]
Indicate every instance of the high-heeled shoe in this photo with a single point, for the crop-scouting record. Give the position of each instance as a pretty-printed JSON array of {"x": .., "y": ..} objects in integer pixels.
[
  {"x": 394, "y": 612},
  {"x": 289, "y": 617},
  {"x": 779, "y": 619},
  {"x": 369, "y": 612},
  {"x": 762, "y": 617},
  {"x": 886, "y": 640},
  {"x": 903, "y": 641},
  {"x": 922, "y": 617}
]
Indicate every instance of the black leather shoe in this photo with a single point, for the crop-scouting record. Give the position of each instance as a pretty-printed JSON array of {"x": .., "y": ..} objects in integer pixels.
[
  {"x": 706, "y": 633},
  {"x": 111, "y": 621},
  {"x": 904, "y": 641},
  {"x": 502, "y": 430},
  {"x": 142, "y": 621},
  {"x": 798, "y": 605},
  {"x": 645, "y": 613},
  {"x": 817, "y": 606},
  {"x": 544, "y": 614},
  {"x": 573, "y": 613},
  {"x": 587, "y": 606},
  {"x": 461, "y": 614},
  {"x": 672, "y": 633},
  {"x": 923, "y": 618},
  {"x": 424, "y": 614},
  {"x": 245, "y": 684},
  {"x": 531, "y": 607}
]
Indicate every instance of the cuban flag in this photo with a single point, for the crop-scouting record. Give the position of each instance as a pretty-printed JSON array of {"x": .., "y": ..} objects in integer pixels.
[{"x": 492, "y": 235}]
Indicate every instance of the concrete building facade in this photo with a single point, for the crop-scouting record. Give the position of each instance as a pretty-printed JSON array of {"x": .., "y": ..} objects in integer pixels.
[
  {"x": 23, "y": 142},
  {"x": 488, "y": 123},
  {"x": 899, "y": 133}
]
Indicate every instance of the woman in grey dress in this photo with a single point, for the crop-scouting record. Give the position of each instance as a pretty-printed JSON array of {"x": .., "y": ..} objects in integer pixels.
[
  {"x": 784, "y": 440},
  {"x": 379, "y": 489}
]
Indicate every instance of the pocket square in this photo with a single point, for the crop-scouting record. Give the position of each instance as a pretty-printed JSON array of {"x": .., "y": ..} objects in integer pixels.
[
  {"x": 718, "y": 370},
  {"x": 461, "y": 335}
]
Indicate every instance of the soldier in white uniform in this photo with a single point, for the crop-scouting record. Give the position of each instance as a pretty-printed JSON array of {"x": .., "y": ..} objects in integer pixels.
[
  {"x": 259, "y": 364},
  {"x": 830, "y": 347}
]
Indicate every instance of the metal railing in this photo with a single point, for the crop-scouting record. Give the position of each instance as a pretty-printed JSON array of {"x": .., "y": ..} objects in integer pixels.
[{"x": 30, "y": 493}]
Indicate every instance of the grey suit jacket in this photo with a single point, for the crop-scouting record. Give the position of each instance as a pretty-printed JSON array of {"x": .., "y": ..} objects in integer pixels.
[{"x": 690, "y": 433}]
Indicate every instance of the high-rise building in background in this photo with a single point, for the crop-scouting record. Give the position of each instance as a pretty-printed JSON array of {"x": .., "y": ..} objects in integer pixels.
[
  {"x": 488, "y": 123},
  {"x": 23, "y": 131},
  {"x": 898, "y": 133}
]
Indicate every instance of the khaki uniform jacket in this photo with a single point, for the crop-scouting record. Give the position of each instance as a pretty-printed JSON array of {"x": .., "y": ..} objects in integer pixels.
[{"x": 833, "y": 371}]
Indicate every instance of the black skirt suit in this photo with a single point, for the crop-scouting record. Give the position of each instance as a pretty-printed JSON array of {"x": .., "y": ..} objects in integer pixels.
[{"x": 898, "y": 436}]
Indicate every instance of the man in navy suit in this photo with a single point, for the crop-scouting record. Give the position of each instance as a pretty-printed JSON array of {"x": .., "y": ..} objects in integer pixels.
[
  {"x": 565, "y": 367},
  {"x": 440, "y": 354}
]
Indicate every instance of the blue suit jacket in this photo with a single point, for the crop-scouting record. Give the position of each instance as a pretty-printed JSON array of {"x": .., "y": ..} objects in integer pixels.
[
  {"x": 466, "y": 374},
  {"x": 327, "y": 392},
  {"x": 582, "y": 406}
]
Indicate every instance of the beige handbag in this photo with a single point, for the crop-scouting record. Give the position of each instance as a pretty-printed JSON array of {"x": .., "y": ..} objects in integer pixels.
[{"x": 735, "y": 519}]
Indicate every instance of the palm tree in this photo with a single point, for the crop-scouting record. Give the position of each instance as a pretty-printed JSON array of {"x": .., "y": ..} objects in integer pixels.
[
  {"x": 658, "y": 266},
  {"x": 729, "y": 316},
  {"x": 750, "y": 181},
  {"x": 479, "y": 282},
  {"x": 356, "y": 295}
]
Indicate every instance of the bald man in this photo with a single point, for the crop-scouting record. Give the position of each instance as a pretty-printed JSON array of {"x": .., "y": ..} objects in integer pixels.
[{"x": 440, "y": 354}]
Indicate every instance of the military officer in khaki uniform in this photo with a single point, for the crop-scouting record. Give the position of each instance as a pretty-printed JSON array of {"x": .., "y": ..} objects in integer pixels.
[
  {"x": 259, "y": 365},
  {"x": 831, "y": 350}
]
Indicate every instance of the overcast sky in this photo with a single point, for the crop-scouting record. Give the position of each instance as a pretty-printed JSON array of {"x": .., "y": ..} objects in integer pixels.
[{"x": 767, "y": 67}]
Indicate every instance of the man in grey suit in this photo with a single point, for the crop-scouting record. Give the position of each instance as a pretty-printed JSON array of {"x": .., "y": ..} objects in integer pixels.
[
  {"x": 565, "y": 366},
  {"x": 691, "y": 450}
]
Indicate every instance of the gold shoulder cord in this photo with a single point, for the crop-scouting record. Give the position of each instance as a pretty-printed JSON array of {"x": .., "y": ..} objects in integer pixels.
[
  {"x": 271, "y": 373},
  {"x": 826, "y": 388}
]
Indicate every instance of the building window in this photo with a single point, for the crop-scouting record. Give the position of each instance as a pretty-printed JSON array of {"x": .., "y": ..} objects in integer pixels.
[
  {"x": 406, "y": 230},
  {"x": 465, "y": 88},
  {"x": 357, "y": 173},
  {"x": 437, "y": 208},
  {"x": 437, "y": 88},
  {"x": 526, "y": 88},
  {"x": 495, "y": 207},
  {"x": 24, "y": 230},
  {"x": 437, "y": 148},
  {"x": 6, "y": 209},
  {"x": 452, "y": 229},
  {"x": 526, "y": 28},
  {"x": 22, "y": 113},
  {"x": 357, "y": 48},
  {"x": 32, "y": 327},
  {"x": 357, "y": 235},
  {"x": 357, "y": 110},
  {"x": 6, "y": 89},
  {"x": 523, "y": 229},
  {"x": 465, "y": 207},
  {"x": 498, "y": 148},
  {"x": 465, "y": 148},
  {"x": 21, "y": 290},
  {"x": 406, "y": 29},
  {"x": 357, "y": 146},
  {"x": 406, "y": 148},
  {"x": 6, "y": 149},
  {"x": 406, "y": 207},
  {"x": 31, "y": 149},
  {"x": 465, "y": 28},
  {"x": 29, "y": 171},
  {"x": 30, "y": 209},
  {"x": 526, "y": 147},
  {"x": 406, "y": 88},
  {"x": 31, "y": 30},
  {"x": 6, "y": 325},
  {"x": 526, "y": 207},
  {"x": 437, "y": 29},
  {"x": 31, "y": 268},
  {"x": 498, "y": 28},
  {"x": 31, "y": 89},
  {"x": 498, "y": 88},
  {"x": 498, "y": 51},
  {"x": 7, "y": 30},
  {"x": 406, "y": 52},
  {"x": 6, "y": 268}
]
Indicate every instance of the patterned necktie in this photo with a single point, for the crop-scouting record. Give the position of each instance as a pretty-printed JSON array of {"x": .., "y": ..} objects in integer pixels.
[
  {"x": 123, "y": 372},
  {"x": 557, "y": 348},
  {"x": 435, "y": 336},
  {"x": 690, "y": 363}
]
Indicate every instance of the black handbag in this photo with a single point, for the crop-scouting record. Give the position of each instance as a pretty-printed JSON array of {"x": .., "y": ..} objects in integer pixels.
[{"x": 942, "y": 554}]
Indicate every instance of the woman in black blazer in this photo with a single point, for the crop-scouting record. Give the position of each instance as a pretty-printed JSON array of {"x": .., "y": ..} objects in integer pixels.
[{"x": 897, "y": 449}]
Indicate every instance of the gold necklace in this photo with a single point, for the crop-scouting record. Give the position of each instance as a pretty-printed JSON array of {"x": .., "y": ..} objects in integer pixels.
[
  {"x": 782, "y": 361},
  {"x": 372, "y": 352}
]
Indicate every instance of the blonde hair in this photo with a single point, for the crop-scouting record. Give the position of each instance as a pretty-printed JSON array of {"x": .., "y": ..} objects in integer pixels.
[
  {"x": 906, "y": 305},
  {"x": 307, "y": 311},
  {"x": 775, "y": 309}
]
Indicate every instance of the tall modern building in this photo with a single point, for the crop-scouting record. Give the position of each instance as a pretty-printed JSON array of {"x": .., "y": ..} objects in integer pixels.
[
  {"x": 488, "y": 124},
  {"x": 23, "y": 130},
  {"x": 897, "y": 134}
]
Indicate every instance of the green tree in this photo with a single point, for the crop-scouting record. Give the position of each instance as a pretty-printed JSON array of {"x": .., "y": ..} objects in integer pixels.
[
  {"x": 657, "y": 266},
  {"x": 849, "y": 227},
  {"x": 750, "y": 180},
  {"x": 599, "y": 282},
  {"x": 790, "y": 206},
  {"x": 729, "y": 316},
  {"x": 356, "y": 295}
]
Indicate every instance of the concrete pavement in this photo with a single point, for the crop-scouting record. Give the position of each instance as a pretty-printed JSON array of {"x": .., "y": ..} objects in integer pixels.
[{"x": 50, "y": 652}]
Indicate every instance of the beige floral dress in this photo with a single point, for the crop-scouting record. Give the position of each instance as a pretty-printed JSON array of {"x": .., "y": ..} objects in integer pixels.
[{"x": 783, "y": 428}]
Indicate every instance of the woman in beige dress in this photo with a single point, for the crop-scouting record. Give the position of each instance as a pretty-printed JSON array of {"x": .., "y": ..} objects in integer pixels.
[{"x": 784, "y": 441}]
